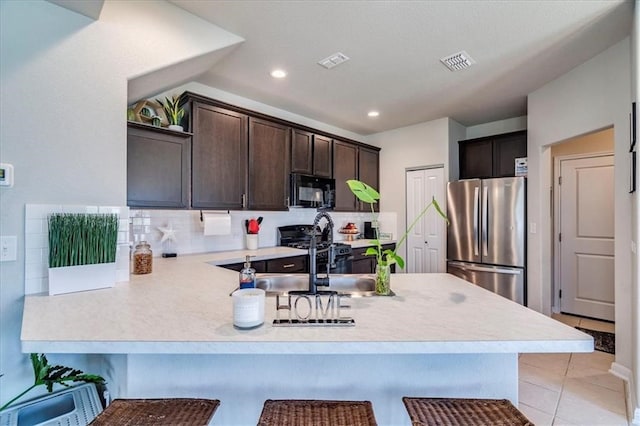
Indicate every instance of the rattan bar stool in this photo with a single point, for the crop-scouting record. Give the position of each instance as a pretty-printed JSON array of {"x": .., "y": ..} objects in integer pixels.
[
  {"x": 300, "y": 412},
  {"x": 463, "y": 412},
  {"x": 158, "y": 412}
]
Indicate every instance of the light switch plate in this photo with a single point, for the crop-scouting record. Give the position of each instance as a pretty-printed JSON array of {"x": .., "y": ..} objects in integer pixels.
[{"x": 8, "y": 248}]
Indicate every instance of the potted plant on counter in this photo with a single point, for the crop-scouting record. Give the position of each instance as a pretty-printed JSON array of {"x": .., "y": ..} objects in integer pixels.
[
  {"x": 174, "y": 112},
  {"x": 82, "y": 251},
  {"x": 386, "y": 258}
]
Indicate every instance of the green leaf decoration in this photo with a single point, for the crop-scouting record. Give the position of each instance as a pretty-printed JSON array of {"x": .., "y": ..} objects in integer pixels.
[
  {"x": 371, "y": 251},
  {"x": 363, "y": 192},
  {"x": 49, "y": 375}
]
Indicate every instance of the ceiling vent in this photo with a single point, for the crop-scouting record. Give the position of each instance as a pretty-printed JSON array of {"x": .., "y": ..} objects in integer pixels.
[
  {"x": 333, "y": 60},
  {"x": 458, "y": 61}
]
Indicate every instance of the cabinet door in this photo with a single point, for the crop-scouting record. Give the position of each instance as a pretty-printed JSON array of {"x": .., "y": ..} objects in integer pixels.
[
  {"x": 268, "y": 165},
  {"x": 363, "y": 264},
  {"x": 505, "y": 151},
  {"x": 322, "y": 156},
  {"x": 219, "y": 178},
  {"x": 288, "y": 265},
  {"x": 345, "y": 167},
  {"x": 368, "y": 172},
  {"x": 259, "y": 266},
  {"x": 157, "y": 168},
  {"x": 476, "y": 159},
  {"x": 301, "y": 152}
]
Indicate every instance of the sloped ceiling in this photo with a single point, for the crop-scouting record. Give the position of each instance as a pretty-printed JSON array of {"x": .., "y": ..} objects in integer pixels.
[{"x": 395, "y": 47}]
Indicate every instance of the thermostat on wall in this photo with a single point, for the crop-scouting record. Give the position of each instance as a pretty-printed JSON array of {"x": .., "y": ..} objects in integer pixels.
[{"x": 6, "y": 175}]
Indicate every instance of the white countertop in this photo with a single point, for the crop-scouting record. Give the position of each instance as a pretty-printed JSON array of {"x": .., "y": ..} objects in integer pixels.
[
  {"x": 184, "y": 307},
  {"x": 228, "y": 257},
  {"x": 366, "y": 243}
]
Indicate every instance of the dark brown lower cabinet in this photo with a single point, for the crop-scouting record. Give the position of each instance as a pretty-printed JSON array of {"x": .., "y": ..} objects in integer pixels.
[
  {"x": 363, "y": 264},
  {"x": 283, "y": 265}
]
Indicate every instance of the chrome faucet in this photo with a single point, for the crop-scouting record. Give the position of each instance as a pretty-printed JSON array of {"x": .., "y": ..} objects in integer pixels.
[{"x": 314, "y": 280}]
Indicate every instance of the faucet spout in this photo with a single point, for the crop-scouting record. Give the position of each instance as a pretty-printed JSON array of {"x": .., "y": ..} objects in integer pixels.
[{"x": 314, "y": 280}]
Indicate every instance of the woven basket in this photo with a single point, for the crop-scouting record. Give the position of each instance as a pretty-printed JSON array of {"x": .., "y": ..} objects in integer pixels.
[
  {"x": 158, "y": 412},
  {"x": 316, "y": 413},
  {"x": 463, "y": 412}
]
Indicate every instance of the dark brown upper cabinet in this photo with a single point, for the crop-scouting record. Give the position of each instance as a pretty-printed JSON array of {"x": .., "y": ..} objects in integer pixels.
[
  {"x": 268, "y": 165},
  {"x": 345, "y": 167},
  {"x": 220, "y": 147},
  {"x": 492, "y": 156},
  {"x": 310, "y": 153},
  {"x": 351, "y": 161},
  {"x": 368, "y": 172},
  {"x": 158, "y": 169}
]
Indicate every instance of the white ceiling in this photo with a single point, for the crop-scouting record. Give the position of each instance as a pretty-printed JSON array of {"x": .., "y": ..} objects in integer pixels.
[{"x": 395, "y": 47}]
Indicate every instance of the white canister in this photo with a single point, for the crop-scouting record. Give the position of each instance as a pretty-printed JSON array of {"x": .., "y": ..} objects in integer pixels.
[
  {"x": 252, "y": 241},
  {"x": 248, "y": 307}
]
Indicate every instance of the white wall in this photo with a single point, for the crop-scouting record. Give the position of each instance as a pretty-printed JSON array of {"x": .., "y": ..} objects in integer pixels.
[
  {"x": 592, "y": 96},
  {"x": 413, "y": 146},
  {"x": 63, "y": 98},
  {"x": 497, "y": 127}
]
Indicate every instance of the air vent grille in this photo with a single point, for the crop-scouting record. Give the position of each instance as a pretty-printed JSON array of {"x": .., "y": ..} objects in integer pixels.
[
  {"x": 333, "y": 60},
  {"x": 458, "y": 61}
]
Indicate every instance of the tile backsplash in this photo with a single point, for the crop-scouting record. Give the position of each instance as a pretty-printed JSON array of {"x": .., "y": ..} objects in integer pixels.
[
  {"x": 138, "y": 224},
  {"x": 37, "y": 242},
  {"x": 189, "y": 230}
]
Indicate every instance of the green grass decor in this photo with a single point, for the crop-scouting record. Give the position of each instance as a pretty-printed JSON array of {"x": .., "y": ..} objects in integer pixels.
[{"x": 82, "y": 239}]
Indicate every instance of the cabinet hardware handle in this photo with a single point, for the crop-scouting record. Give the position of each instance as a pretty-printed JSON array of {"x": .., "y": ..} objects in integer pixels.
[
  {"x": 287, "y": 202},
  {"x": 244, "y": 201},
  {"x": 289, "y": 265}
]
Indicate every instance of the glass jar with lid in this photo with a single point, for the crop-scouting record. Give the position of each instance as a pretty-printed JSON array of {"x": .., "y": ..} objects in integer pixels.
[{"x": 142, "y": 258}]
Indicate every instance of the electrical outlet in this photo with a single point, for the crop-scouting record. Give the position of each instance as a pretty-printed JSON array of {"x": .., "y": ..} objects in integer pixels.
[{"x": 8, "y": 248}]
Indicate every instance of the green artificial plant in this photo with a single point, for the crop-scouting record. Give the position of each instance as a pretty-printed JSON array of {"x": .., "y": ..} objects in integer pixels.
[
  {"x": 48, "y": 375},
  {"x": 82, "y": 239},
  {"x": 173, "y": 109},
  {"x": 367, "y": 194}
]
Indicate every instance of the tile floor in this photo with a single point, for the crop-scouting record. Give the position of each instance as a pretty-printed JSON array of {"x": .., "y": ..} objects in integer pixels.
[{"x": 572, "y": 389}]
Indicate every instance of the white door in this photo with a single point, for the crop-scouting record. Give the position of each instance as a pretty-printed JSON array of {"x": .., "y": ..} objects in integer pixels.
[
  {"x": 426, "y": 244},
  {"x": 586, "y": 236}
]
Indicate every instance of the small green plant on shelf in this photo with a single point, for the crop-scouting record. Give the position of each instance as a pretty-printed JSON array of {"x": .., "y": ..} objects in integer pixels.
[
  {"x": 385, "y": 258},
  {"x": 172, "y": 109},
  {"x": 49, "y": 375}
]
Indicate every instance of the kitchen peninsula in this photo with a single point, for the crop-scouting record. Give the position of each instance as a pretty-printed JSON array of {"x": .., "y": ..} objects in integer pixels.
[{"x": 170, "y": 334}]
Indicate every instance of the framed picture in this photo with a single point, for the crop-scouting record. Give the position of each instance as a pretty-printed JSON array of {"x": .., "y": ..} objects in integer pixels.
[{"x": 632, "y": 172}]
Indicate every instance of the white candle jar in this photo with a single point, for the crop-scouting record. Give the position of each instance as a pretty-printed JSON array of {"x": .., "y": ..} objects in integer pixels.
[{"x": 248, "y": 307}]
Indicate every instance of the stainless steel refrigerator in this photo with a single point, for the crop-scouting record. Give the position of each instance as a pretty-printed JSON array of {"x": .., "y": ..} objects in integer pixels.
[{"x": 486, "y": 237}]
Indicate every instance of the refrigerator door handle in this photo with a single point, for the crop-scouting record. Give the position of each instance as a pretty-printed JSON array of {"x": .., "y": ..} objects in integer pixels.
[
  {"x": 485, "y": 269},
  {"x": 476, "y": 210},
  {"x": 485, "y": 220}
]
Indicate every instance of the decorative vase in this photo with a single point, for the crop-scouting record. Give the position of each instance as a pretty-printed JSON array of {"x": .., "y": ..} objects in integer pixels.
[
  {"x": 383, "y": 280},
  {"x": 176, "y": 127}
]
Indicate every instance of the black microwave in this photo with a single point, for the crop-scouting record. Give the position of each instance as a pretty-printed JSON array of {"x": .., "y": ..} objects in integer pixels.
[{"x": 312, "y": 191}]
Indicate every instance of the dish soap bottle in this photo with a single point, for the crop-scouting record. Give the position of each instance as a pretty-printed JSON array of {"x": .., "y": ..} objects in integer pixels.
[{"x": 247, "y": 275}]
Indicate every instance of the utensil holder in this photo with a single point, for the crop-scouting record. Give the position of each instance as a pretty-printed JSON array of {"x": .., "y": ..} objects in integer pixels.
[{"x": 252, "y": 241}]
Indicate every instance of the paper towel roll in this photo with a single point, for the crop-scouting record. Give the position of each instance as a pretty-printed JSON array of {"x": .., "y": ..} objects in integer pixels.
[{"x": 217, "y": 223}]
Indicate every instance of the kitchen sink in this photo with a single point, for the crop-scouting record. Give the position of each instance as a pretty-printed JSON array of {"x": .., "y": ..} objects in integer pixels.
[{"x": 354, "y": 285}]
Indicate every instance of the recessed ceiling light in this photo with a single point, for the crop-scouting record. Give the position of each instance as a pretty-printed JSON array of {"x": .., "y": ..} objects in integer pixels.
[
  {"x": 373, "y": 113},
  {"x": 278, "y": 73}
]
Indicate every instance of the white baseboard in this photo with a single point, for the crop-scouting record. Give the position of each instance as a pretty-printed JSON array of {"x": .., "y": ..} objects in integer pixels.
[{"x": 633, "y": 411}]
